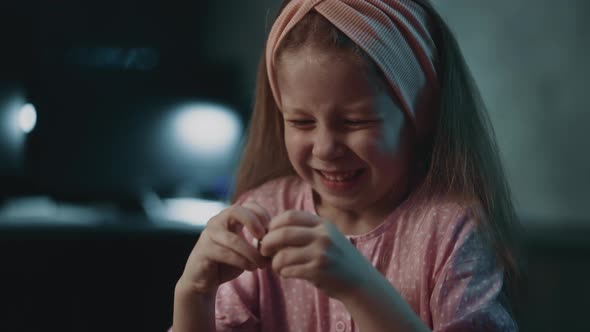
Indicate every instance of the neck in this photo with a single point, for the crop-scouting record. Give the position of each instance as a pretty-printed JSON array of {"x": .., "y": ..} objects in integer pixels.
[{"x": 353, "y": 221}]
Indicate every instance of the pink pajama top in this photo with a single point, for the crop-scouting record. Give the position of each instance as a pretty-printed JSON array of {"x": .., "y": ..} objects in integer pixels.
[{"x": 437, "y": 262}]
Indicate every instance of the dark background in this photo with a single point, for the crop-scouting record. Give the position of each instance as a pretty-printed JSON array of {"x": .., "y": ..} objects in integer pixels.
[{"x": 104, "y": 74}]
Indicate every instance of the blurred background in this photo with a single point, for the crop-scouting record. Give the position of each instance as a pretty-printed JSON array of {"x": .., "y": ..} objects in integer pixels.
[{"x": 121, "y": 122}]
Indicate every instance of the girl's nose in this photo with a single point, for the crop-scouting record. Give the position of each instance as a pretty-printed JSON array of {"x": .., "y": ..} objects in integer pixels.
[{"x": 327, "y": 145}]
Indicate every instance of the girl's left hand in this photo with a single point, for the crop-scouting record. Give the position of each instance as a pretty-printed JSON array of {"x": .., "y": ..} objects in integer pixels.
[{"x": 305, "y": 246}]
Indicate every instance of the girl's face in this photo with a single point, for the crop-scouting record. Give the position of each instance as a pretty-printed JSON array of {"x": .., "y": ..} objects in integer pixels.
[{"x": 350, "y": 141}]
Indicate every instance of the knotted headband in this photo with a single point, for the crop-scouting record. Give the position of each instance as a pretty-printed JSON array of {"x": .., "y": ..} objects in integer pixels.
[{"x": 394, "y": 33}]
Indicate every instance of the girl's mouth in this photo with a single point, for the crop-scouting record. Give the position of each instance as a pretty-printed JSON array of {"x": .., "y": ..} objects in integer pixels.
[{"x": 342, "y": 180}]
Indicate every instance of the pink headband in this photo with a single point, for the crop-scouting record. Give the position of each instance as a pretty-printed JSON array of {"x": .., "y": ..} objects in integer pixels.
[{"x": 394, "y": 33}]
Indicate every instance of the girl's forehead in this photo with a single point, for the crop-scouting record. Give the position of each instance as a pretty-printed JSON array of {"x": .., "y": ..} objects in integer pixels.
[
  {"x": 351, "y": 109},
  {"x": 311, "y": 81},
  {"x": 333, "y": 65}
]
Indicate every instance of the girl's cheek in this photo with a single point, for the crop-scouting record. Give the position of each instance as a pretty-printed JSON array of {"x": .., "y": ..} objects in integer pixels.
[
  {"x": 368, "y": 143},
  {"x": 295, "y": 139},
  {"x": 384, "y": 141}
]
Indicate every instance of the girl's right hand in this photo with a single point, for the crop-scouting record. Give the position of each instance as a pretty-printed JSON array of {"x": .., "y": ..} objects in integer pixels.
[{"x": 222, "y": 253}]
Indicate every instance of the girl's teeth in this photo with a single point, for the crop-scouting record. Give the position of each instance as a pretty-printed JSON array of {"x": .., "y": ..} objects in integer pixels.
[{"x": 339, "y": 177}]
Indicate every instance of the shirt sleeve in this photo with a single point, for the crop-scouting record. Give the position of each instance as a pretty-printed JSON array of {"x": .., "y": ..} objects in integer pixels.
[{"x": 466, "y": 293}]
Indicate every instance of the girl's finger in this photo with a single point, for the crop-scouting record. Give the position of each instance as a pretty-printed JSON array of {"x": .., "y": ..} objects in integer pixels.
[
  {"x": 238, "y": 245},
  {"x": 288, "y": 236},
  {"x": 237, "y": 217},
  {"x": 221, "y": 254},
  {"x": 304, "y": 271},
  {"x": 294, "y": 218},
  {"x": 291, "y": 256},
  {"x": 261, "y": 212}
]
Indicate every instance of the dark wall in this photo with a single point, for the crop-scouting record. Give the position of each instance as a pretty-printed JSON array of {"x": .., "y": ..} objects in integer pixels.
[{"x": 103, "y": 75}]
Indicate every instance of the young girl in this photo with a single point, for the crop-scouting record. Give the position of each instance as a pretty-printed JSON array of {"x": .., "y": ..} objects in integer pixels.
[{"x": 370, "y": 196}]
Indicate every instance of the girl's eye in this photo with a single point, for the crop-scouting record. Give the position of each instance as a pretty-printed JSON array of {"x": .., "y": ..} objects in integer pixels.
[
  {"x": 355, "y": 122},
  {"x": 358, "y": 122},
  {"x": 301, "y": 123}
]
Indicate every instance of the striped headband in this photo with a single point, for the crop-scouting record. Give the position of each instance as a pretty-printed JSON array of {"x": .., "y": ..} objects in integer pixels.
[{"x": 394, "y": 33}]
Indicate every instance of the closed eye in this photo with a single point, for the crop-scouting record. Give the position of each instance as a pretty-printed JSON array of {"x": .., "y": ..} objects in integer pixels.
[
  {"x": 301, "y": 123},
  {"x": 355, "y": 123}
]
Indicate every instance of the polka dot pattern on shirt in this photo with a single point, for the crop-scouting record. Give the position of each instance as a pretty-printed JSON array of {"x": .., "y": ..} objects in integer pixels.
[{"x": 433, "y": 258}]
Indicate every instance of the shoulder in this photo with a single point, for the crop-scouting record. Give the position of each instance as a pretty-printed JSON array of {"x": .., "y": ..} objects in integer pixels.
[
  {"x": 465, "y": 277},
  {"x": 454, "y": 221},
  {"x": 278, "y": 194},
  {"x": 446, "y": 216},
  {"x": 445, "y": 227}
]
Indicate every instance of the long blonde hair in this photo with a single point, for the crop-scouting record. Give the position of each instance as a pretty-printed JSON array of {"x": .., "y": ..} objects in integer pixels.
[{"x": 461, "y": 158}]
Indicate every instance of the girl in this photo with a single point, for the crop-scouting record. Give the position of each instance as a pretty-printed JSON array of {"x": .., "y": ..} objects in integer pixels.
[{"x": 370, "y": 196}]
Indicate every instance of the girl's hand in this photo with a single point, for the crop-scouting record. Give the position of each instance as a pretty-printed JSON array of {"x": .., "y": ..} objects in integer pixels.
[
  {"x": 305, "y": 246},
  {"x": 222, "y": 253}
]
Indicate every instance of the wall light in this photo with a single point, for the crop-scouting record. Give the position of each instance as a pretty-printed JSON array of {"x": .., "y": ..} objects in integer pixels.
[
  {"x": 208, "y": 131},
  {"x": 27, "y": 118}
]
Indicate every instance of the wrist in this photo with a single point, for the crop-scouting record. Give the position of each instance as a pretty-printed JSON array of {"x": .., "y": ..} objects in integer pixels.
[
  {"x": 194, "y": 310},
  {"x": 362, "y": 287},
  {"x": 187, "y": 288},
  {"x": 375, "y": 303}
]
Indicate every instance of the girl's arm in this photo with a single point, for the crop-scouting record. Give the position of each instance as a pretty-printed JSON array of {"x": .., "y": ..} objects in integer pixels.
[
  {"x": 375, "y": 306},
  {"x": 465, "y": 295},
  {"x": 193, "y": 311},
  {"x": 220, "y": 255}
]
